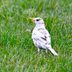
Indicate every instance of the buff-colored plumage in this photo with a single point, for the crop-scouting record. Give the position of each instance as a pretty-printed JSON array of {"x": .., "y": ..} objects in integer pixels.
[{"x": 41, "y": 36}]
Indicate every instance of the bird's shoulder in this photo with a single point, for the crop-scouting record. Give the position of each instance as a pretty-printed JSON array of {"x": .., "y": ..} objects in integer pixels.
[{"x": 44, "y": 31}]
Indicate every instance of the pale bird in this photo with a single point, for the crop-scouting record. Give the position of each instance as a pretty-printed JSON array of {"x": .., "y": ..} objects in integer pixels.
[{"x": 41, "y": 36}]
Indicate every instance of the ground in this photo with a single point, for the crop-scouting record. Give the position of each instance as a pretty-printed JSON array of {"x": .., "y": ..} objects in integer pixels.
[{"x": 17, "y": 51}]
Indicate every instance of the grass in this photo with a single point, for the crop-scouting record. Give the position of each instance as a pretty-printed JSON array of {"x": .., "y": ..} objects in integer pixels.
[{"x": 17, "y": 52}]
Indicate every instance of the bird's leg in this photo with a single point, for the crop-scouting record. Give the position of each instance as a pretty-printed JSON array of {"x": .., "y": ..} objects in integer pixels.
[
  {"x": 38, "y": 51},
  {"x": 46, "y": 50}
]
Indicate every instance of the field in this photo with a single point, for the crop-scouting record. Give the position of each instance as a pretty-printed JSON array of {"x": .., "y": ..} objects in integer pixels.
[{"x": 17, "y": 51}]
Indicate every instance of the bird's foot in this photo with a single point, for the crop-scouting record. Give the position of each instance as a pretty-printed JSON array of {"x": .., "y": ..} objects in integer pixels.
[{"x": 46, "y": 50}]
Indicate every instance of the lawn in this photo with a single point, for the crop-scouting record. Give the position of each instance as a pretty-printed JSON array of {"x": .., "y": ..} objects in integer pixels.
[{"x": 17, "y": 51}]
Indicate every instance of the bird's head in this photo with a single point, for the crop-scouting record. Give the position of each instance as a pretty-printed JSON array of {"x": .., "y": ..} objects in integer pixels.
[{"x": 38, "y": 20}]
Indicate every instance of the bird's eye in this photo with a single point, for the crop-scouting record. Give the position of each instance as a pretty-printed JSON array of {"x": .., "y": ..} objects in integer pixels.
[{"x": 37, "y": 19}]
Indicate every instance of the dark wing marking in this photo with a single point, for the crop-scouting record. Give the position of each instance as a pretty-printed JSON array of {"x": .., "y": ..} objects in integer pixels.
[{"x": 44, "y": 38}]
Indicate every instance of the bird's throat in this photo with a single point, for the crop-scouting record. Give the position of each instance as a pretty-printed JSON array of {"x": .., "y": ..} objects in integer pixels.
[{"x": 40, "y": 26}]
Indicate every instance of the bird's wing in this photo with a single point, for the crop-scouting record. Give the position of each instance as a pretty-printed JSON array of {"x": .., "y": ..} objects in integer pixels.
[{"x": 44, "y": 35}]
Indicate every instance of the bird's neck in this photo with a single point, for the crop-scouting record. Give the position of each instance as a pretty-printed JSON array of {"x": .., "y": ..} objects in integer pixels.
[{"x": 40, "y": 25}]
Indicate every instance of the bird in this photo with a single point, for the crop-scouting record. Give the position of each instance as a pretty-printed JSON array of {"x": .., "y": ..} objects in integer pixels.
[{"x": 41, "y": 36}]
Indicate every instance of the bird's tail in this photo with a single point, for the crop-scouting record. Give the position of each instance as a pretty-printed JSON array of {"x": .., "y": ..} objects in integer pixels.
[{"x": 53, "y": 51}]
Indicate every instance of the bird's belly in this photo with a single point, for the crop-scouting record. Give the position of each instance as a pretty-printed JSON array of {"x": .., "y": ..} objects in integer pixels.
[{"x": 38, "y": 43}]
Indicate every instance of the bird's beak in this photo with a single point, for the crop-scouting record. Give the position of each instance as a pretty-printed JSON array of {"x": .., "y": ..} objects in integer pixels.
[{"x": 32, "y": 19}]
